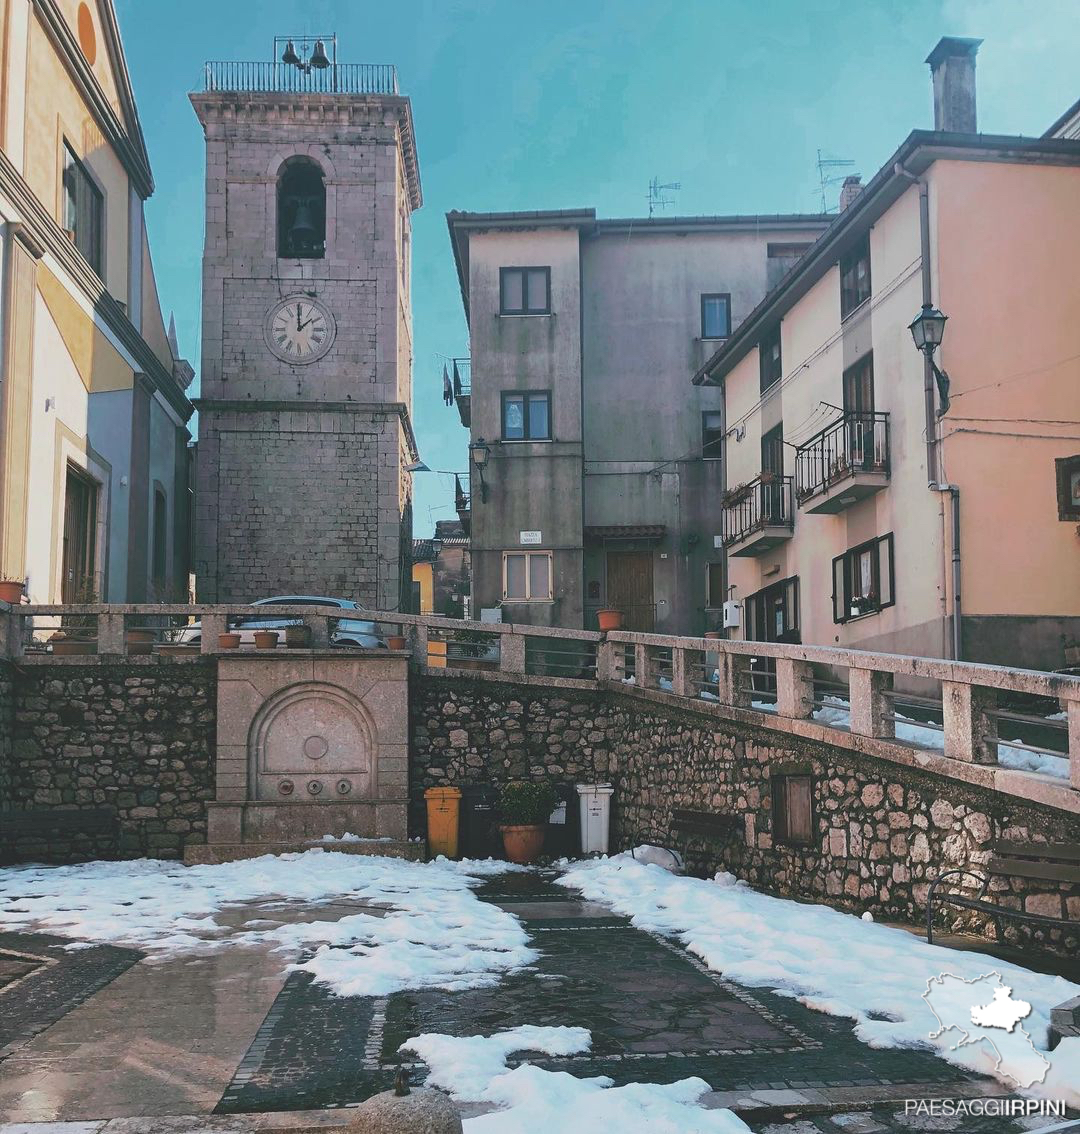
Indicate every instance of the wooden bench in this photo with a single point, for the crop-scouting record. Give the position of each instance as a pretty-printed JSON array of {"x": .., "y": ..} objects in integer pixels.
[
  {"x": 56, "y": 822},
  {"x": 1054, "y": 862},
  {"x": 687, "y": 825}
]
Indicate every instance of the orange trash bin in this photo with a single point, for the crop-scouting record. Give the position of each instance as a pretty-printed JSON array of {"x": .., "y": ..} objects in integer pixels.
[{"x": 443, "y": 809}]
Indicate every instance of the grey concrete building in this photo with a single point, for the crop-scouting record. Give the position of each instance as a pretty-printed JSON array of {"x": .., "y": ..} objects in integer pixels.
[
  {"x": 602, "y": 472},
  {"x": 305, "y": 417}
]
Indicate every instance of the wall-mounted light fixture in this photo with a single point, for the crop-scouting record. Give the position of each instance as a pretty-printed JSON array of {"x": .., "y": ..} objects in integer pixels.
[
  {"x": 480, "y": 454},
  {"x": 927, "y": 330}
]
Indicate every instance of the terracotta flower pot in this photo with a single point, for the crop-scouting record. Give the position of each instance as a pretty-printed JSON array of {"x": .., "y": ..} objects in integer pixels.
[
  {"x": 297, "y": 637},
  {"x": 266, "y": 639},
  {"x": 68, "y": 647},
  {"x": 139, "y": 641},
  {"x": 713, "y": 635},
  {"x": 11, "y": 591},
  {"x": 230, "y": 640},
  {"x": 609, "y": 619},
  {"x": 396, "y": 642},
  {"x": 524, "y": 843}
]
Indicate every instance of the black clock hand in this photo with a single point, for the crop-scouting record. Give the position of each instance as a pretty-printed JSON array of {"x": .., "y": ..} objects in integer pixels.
[{"x": 298, "y": 327}]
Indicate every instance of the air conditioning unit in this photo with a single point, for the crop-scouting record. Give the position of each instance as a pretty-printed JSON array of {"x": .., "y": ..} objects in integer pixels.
[{"x": 732, "y": 615}]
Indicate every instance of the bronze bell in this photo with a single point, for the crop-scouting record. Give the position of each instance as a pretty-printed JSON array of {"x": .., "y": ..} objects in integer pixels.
[
  {"x": 318, "y": 56},
  {"x": 303, "y": 233},
  {"x": 289, "y": 55}
]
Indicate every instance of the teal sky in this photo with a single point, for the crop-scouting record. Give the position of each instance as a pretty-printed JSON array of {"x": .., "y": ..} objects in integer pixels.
[{"x": 560, "y": 104}]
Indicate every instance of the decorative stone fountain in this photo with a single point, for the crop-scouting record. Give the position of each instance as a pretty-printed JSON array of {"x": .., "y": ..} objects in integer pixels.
[{"x": 309, "y": 743}]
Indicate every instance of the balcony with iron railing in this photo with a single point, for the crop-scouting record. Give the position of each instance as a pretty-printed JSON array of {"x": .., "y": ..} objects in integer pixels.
[
  {"x": 843, "y": 464},
  {"x": 462, "y": 505},
  {"x": 463, "y": 389},
  {"x": 759, "y": 515},
  {"x": 274, "y": 78}
]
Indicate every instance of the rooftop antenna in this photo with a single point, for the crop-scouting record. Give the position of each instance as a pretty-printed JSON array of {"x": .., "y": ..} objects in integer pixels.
[
  {"x": 826, "y": 176},
  {"x": 658, "y": 194}
]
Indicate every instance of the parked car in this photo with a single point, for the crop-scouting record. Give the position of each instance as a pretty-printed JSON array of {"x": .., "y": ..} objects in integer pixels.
[{"x": 345, "y": 631}]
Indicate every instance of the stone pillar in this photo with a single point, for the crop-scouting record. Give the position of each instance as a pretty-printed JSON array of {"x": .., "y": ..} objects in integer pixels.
[
  {"x": 734, "y": 686},
  {"x": 605, "y": 660},
  {"x": 512, "y": 652},
  {"x": 681, "y": 668},
  {"x": 642, "y": 676},
  {"x": 319, "y": 630},
  {"x": 970, "y": 732},
  {"x": 794, "y": 688},
  {"x": 110, "y": 634},
  {"x": 1072, "y": 708},
  {"x": 871, "y": 707},
  {"x": 420, "y": 644},
  {"x": 212, "y": 625}
]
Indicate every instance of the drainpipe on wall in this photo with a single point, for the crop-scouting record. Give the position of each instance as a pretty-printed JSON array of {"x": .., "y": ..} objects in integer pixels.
[{"x": 930, "y": 409}]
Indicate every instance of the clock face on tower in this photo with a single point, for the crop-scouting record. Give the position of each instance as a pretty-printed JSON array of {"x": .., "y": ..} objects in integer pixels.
[{"x": 299, "y": 329}]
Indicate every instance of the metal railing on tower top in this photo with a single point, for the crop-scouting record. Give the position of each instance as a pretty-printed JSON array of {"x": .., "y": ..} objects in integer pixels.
[{"x": 337, "y": 78}]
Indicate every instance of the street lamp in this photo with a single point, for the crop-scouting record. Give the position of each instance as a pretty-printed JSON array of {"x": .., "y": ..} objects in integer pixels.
[
  {"x": 480, "y": 453},
  {"x": 927, "y": 330}
]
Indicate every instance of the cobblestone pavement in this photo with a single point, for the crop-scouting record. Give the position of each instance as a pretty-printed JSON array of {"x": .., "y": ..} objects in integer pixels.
[
  {"x": 890, "y": 1120},
  {"x": 656, "y": 1014}
]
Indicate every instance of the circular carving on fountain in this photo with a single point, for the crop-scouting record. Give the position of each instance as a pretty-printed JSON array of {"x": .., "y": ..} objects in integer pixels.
[
  {"x": 316, "y": 747},
  {"x": 315, "y": 787},
  {"x": 344, "y": 787},
  {"x": 286, "y": 787}
]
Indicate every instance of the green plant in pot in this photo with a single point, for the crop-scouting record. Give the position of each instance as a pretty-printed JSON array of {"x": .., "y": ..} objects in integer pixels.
[{"x": 524, "y": 808}]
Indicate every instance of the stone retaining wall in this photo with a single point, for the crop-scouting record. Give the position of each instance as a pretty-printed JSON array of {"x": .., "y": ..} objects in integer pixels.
[
  {"x": 7, "y": 720},
  {"x": 880, "y": 831},
  {"x": 133, "y": 734}
]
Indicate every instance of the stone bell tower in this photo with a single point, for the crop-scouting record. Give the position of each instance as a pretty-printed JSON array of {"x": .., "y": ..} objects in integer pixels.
[{"x": 305, "y": 434}]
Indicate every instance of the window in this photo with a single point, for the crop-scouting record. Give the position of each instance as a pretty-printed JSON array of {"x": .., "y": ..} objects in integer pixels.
[
  {"x": 712, "y": 435},
  {"x": 84, "y": 209},
  {"x": 863, "y": 579},
  {"x": 792, "y": 808},
  {"x": 1068, "y": 487},
  {"x": 524, "y": 291},
  {"x": 855, "y": 278},
  {"x": 527, "y": 576},
  {"x": 301, "y": 210},
  {"x": 716, "y": 315},
  {"x": 161, "y": 536},
  {"x": 526, "y": 416},
  {"x": 714, "y": 586},
  {"x": 769, "y": 359}
]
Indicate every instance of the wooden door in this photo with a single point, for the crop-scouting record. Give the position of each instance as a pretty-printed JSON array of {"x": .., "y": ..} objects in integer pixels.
[
  {"x": 80, "y": 514},
  {"x": 630, "y": 588}
]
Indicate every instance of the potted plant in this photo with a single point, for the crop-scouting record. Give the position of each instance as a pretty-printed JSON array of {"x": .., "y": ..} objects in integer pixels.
[
  {"x": 266, "y": 639},
  {"x": 610, "y": 618},
  {"x": 67, "y": 643},
  {"x": 298, "y": 637},
  {"x": 230, "y": 640},
  {"x": 524, "y": 808},
  {"x": 139, "y": 641},
  {"x": 11, "y": 591},
  {"x": 735, "y": 495},
  {"x": 396, "y": 642}
]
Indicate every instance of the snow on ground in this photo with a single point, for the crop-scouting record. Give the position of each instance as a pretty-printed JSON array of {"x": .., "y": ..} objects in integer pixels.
[
  {"x": 436, "y": 933},
  {"x": 535, "y": 1101},
  {"x": 832, "y": 962}
]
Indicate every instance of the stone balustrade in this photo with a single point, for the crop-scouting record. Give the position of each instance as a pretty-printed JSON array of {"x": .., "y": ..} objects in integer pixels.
[{"x": 763, "y": 679}]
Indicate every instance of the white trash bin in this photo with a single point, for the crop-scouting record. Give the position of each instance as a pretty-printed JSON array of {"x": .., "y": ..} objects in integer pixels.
[{"x": 595, "y": 803}]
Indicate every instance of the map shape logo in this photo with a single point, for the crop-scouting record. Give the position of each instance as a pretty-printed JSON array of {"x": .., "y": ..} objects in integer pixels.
[{"x": 983, "y": 1011}]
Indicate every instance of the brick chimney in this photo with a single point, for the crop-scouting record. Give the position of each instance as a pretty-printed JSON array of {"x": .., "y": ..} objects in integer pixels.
[
  {"x": 952, "y": 64},
  {"x": 851, "y": 188}
]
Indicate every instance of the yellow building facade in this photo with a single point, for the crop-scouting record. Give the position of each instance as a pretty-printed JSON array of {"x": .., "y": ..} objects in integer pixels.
[{"x": 94, "y": 477}]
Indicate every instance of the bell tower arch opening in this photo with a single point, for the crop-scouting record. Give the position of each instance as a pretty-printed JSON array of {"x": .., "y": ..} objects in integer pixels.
[{"x": 301, "y": 210}]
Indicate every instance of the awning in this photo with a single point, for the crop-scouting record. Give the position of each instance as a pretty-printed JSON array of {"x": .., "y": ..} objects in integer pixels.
[{"x": 626, "y": 531}]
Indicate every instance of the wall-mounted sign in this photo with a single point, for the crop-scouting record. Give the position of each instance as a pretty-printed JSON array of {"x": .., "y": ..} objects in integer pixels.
[{"x": 530, "y": 537}]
